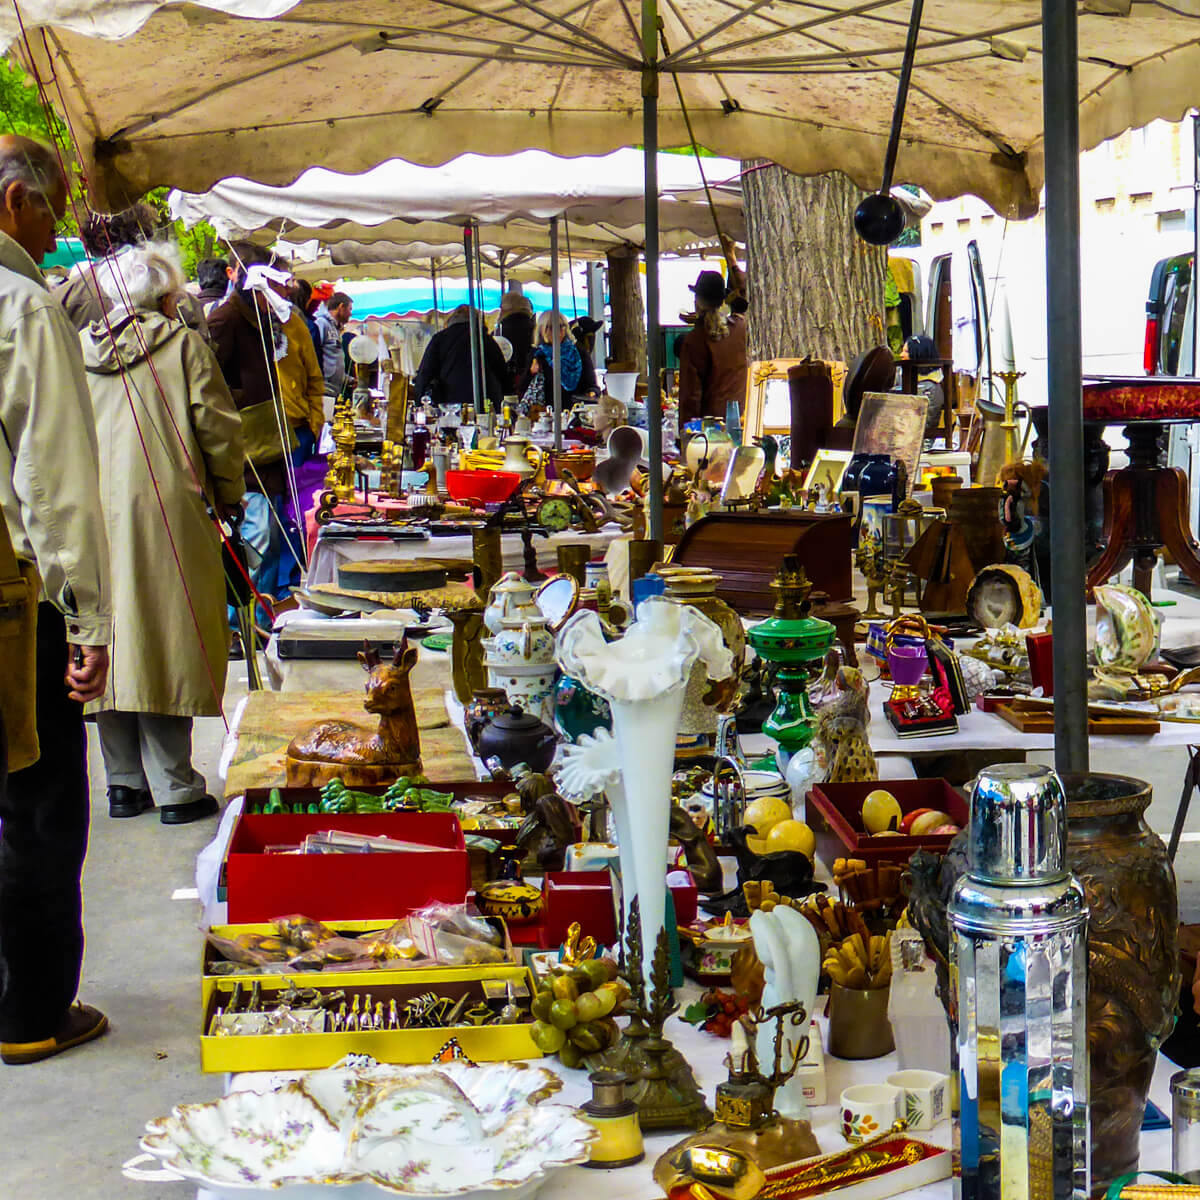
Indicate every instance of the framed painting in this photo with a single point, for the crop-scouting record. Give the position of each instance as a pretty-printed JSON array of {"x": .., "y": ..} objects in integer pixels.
[{"x": 892, "y": 423}]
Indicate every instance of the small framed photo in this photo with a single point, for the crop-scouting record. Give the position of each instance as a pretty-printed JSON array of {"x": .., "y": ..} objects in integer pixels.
[
  {"x": 768, "y": 399},
  {"x": 827, "y": 468}
]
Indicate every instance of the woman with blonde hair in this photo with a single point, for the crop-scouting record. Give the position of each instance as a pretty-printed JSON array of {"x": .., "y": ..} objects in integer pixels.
[
  {"x": 170, "y": 443},
  {"x": 542, "y": 366}
]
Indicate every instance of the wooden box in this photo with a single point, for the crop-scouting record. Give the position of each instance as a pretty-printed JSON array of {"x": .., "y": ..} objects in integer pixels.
[{"x": 747, "y": 549}]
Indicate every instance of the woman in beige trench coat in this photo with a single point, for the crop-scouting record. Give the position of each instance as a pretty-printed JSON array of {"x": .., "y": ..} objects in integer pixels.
[{"x": 167, "y": 430}]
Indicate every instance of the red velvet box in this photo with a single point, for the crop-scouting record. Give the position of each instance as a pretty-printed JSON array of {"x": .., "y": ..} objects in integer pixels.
[
  {"x": 262, "y": 885},
  {"x": 834, "y": 812},
  {"x": 1041, "y": 661},
  {"x": 583, "y": 896}
]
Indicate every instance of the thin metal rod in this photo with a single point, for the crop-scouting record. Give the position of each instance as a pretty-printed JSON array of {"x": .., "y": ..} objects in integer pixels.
[
  {"x": 477, "y": 328},
  {"x": 555, "y": 343},
  {"x": 910, "y": 54},
  {"x": 1068, "y": 576},
  {"x": 468, "y": 234},
  {"x": 433, "y": 280},
  {"x": 654, "y": 417}
]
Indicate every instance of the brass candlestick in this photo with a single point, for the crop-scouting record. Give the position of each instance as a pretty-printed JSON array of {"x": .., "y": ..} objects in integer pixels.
[
  {"x": 1011, "y": 449},
  {"x": 665, "y": 1089}
]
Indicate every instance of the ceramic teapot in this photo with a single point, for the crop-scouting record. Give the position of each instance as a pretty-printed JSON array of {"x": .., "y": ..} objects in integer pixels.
[
  {"x": 520, "y": 659},
  {"x": 510, "y": 598},
  {"x": 516, "y": 737}
]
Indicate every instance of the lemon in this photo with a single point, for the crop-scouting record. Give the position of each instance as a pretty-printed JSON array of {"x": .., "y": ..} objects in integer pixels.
[
  {"x": 765, "y": 812},
  {"x": 791, "y": 835},
  {"x": 880, "y": 812}
]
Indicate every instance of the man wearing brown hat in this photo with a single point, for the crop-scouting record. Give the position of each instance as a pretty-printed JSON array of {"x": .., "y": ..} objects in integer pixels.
[{"x": 712, "y": 358}]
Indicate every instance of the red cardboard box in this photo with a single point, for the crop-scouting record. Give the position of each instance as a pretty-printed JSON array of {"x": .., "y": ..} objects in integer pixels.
[
  {"x": 834, "y": 812},
  {"x": 262, "y": 885}
]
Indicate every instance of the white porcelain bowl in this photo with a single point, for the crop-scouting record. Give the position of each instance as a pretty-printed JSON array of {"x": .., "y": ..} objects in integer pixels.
[{"x": 361, "y": 1130}]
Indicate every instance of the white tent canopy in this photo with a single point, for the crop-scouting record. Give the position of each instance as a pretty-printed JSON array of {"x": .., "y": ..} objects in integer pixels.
[
  {"x": 601, "y": 198},
  {"x": 807, "y": 84}
]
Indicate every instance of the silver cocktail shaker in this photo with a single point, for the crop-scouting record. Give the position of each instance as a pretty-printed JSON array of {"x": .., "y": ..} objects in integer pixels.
[{"x": 1018, "y": 963}]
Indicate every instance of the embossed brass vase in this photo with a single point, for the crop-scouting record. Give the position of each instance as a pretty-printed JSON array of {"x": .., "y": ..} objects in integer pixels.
[{"x": 1133, "y": 956}]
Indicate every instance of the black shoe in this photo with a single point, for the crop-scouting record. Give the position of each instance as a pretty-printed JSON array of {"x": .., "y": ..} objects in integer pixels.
[
  {"x": 82, "y": 1024},
  {"x": 193, "y": 810},
  {"x": 128, "y": 802}
]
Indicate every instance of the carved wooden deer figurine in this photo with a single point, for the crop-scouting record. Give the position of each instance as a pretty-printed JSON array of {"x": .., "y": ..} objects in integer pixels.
[{"x": 353, "y": 753}]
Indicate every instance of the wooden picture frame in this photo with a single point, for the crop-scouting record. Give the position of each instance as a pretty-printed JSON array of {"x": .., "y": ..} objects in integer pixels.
[
  {"x": 892, "y": 423},
  {"x": 768, "y": 399}
]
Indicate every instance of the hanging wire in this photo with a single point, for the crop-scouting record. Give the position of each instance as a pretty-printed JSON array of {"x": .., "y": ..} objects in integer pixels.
[
  {"x": 115, "y": 270},
  {"x": 277, "y": 407}
]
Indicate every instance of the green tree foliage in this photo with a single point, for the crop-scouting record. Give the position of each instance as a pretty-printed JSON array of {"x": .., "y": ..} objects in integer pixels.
[{"x": 21, "y": 112}]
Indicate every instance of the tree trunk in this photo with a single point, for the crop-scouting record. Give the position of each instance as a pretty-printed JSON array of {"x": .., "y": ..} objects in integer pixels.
[
  {"x": 627, "y": 343},
  {"x": 815, "y": 286}
]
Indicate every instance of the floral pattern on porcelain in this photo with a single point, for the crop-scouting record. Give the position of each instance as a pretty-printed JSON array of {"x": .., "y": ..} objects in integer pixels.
[
  {"x": 452, "y": 1131},
  {"x": 520, "y": 659}
]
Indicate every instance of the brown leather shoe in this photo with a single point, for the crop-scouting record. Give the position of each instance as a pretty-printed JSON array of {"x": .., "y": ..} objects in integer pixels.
[{"x": 81, "y": 1024}]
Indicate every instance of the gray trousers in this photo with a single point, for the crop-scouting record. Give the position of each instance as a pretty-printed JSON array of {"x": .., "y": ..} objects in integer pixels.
[{"x": 147, "y": 751}]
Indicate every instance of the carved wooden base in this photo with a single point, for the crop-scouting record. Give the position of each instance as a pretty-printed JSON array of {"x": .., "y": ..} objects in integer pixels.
[
  {"x": 305, "y": 773},
  {"x": 1145, "y": 507}
]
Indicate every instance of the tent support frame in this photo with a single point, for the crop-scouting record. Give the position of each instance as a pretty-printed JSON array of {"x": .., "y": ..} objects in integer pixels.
[
  {"x": 654, "y": 411},
  {"x": 1060, "y": 115}
]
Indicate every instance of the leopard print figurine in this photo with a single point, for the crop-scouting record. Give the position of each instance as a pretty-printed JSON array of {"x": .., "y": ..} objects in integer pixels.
[{"x": 840, "y": 734}]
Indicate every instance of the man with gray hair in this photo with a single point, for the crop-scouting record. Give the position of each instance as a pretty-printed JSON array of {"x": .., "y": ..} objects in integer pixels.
[{"x": 49, "y": 492}]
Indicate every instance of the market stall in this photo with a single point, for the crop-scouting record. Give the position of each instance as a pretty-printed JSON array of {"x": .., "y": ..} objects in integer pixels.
[{"x": 1055, "y": 1008}]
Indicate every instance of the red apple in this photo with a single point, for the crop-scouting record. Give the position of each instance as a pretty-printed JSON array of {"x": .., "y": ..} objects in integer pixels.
[{"x": 908, "y": 818}]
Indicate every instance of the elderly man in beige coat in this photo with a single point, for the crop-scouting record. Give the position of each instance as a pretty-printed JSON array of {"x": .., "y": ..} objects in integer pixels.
[
  {"x": 170, "y": 446},
  {"x": 51, "y": 503}
]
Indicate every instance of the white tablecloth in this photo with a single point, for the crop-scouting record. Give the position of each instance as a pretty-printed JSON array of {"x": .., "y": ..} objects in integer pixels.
[
  {"x": 705, "y": 1053},
  {"x": 330, "y": 553}
]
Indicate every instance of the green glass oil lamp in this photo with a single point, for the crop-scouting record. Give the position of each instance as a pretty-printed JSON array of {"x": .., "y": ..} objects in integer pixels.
[{"x": 792, "y": 641}]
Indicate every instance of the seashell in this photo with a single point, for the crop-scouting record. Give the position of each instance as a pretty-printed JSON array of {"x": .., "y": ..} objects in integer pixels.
[{"x": 1127, "y": 627}]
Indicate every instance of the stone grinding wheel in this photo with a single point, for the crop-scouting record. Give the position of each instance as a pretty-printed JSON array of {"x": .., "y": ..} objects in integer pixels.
[{"x": 373, "y": 575}]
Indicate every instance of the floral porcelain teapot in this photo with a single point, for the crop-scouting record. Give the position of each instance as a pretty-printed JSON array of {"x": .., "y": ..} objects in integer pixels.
[{"x": 520, "y": 659}]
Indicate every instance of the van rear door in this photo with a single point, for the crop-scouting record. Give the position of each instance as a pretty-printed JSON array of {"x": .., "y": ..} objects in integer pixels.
[{"x": 1169, "y": 319}]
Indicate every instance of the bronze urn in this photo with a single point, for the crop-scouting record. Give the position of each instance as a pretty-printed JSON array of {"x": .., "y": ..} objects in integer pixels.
[{"x": 1133, "y": 950}]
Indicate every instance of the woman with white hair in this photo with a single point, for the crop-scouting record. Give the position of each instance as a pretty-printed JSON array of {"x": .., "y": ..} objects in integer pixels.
[
  {"x": 170, "y": 443},
  {"x": 543, "y": 359}
]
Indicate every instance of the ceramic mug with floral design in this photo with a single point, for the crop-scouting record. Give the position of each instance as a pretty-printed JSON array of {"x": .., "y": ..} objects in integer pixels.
[
  {"x": 869, "y": 1109},
  {"x": 924, "y": 1097}
]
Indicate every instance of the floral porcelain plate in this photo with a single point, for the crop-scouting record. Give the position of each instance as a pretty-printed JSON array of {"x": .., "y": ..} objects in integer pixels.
[{"x": 367, "y": 1130}]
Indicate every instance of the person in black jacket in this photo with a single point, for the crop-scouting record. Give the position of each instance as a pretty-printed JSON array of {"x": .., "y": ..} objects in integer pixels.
[
  {"x": 517, "y": 324},
  {"x": 445, "y": 371}
]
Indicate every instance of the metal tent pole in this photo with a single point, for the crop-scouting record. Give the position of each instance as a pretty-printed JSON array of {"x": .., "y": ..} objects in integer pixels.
[
  {"x": 467, "y": 237},
  {"x": 653, "y": 355},
  {"x": 477, "y": 328},
  {"x": 555, "y": 344},
  {"x": 1068, "y": 575},
  {"x": 433, "y": 280},
  {"x": 595, "y": 298}
]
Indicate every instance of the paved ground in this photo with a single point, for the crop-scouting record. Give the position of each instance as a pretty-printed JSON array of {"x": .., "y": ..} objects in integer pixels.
[{"x": 68, "y": 1124}]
